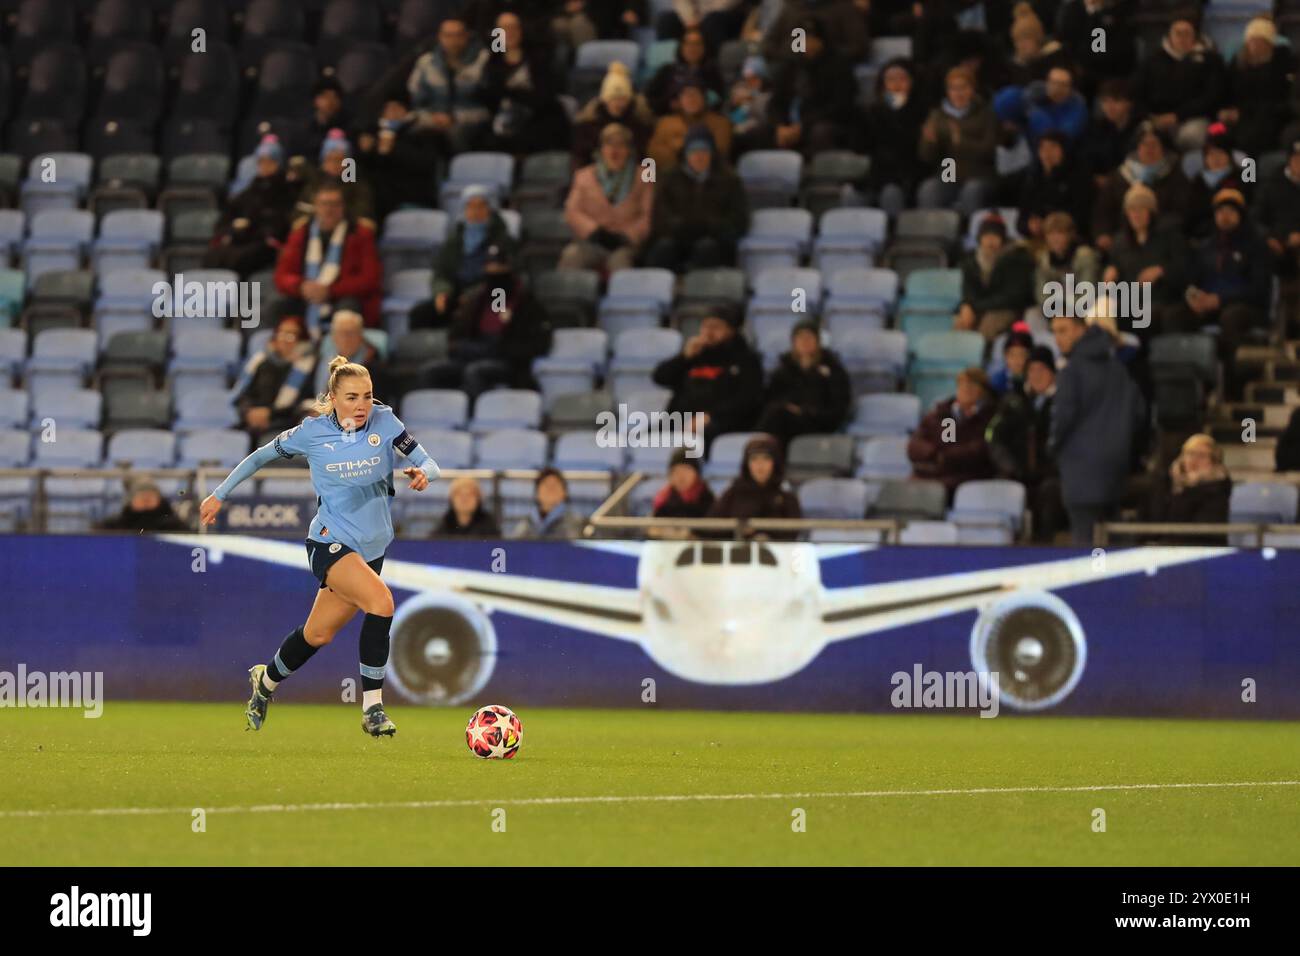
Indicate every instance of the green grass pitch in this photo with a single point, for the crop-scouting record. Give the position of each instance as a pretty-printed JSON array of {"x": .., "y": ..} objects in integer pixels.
[{"x": 160, "y": 760}]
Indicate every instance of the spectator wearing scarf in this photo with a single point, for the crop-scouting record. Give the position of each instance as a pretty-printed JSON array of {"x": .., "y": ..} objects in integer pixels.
[
  {"x": 328, "y": 258},
  {"x": 608, "y": 207},
  {"x": 273, "y": 384},
  {"x": 550, "y": 515},
  {"x": 685, "y": 494}
]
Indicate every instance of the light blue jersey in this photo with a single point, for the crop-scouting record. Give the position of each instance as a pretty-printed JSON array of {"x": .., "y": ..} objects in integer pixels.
[{"x": 351, "y": 471}]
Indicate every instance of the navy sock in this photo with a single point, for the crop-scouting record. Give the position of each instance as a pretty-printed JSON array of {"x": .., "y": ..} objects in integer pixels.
[
  {"x": 293, "y": 653},
  {"x": 374, "y": 650}
]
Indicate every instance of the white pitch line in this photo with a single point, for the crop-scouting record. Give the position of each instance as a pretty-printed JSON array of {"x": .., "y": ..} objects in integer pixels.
[{"x": 645, "y": 798}]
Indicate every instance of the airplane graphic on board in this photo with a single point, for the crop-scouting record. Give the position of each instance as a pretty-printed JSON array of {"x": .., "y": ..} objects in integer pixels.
[{"x": 734, "y": 612}]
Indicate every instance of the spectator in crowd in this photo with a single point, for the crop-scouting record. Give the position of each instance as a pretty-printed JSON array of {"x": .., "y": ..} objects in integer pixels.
[
  {"x": 1057, "y": 183},
  {"x": 446, "y": 87},
  {"x": 1097, "y": 417},
  {"x": 808, "y": 393},
  {"x": 700, "y": 210},
  {"x": 1144, "y": 251},
  {"x": 1197, "y": 490},
  {"x": 480, "y": 16},
  {"x": 686, "y": 494},
  {"x": 330, "y": 257},
  {"x": 466, "y": 515},
  {"x": 327, "y": 112},
  {"x": 608, "y": 207},
  {"x": 834, "y": 18},
  {"x": 617, "y": 103},
  {"x": 1111, "y": 135},
  {"x": 1018, "y": 436},
  {"x": 145, "y": 509},
  {"x": 463, "y": 255},
  {"x": 1286, "y": 456},
  {"x": 717, "y": 20},
  {"x": 256, "y": 220},
  {"x": 717, "y": 377},
  {"x": 996, "y": 281},
  {"x": 274, "y": 388},
  {"x": 1031, "y": 52},
  {"x": 893, "y": 128},
  {"x": 691, "y": 63},
  {"x": 1063, "y": 255},
  {"x": 1076, "y": 29},
  {"x": 500, "y": 329},
  {"x": 616, "y": 19},
  {"x": 813, "y": 99},
  {"x": 961, "y": 129},
  {"x": 335, "y": 153},
  {"x": 1219, "y": 170},
  {"x": 1231, "y": 279},
  {"x": 396, "y": 158},
  {"x": 690, "y": 110},
  {"x": 1054, "y": 105},
  {"x": 759, "y": 490},
  {"x": 750, "y": 99},
  {"x": 519, "y": 92},
  {"x": 573, "y": 22},
  {"x": 1182, "y": 84},
  {"x": 1277, "y": 209},
  {"x": 1260, "y": 81},
  {"x": 346, "y": 338},
  {"x": 551, "y": 516},
  {"x": 1153, "y": 164},
  {"x": 1015, "y": 359},
  {"x": 949, "y": 444}
]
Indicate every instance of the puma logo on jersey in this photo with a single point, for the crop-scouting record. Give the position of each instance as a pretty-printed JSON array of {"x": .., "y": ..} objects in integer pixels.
[{"x": 329, "y": 445}]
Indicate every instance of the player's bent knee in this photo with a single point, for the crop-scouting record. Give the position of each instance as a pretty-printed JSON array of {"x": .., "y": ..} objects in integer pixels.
[
  {"x": 381, "y": 604},
  {"x": 317, "y": 636}
]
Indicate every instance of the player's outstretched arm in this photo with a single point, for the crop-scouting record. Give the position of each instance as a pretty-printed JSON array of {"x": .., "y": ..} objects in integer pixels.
[
  {"x": 242, "y": 472},
  {"x": 423, "y": 468}
]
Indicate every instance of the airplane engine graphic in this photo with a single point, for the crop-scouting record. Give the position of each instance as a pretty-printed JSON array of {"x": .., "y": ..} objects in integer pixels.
[
  {"x": 1035, "y": 644},
  {"x": 442, "y": 649}
]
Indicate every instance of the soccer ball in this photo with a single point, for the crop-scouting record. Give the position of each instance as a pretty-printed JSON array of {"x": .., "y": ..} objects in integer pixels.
[{"x": 494, "y": 733}]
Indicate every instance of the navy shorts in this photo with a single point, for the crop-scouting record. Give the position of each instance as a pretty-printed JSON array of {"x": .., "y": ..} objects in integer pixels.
[{"x": 321, "y": 557}]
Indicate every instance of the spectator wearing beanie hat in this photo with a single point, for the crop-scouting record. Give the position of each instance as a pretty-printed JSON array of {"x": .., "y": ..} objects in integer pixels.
[
  {"x": 1154, "y": 164},
  {"x": 608, "y": 207},
  {"x": 616, "y": 103},
  {"x": 966, "y": 456},
  {"x": 335, "y": 149},
  {"x": 1143, "y": 250},
  {"x": 700, "y": 210},
  {"x": 717, "y": 376},
  {"x": 690, "y": 110},
  {"x": 996, "y": 282},
  {"x": 1230, "y": 283},
  {"x": 1258, "y": 103},
  {"x": 1220, "y": 169},
  {"x": 685, "y": 494},
  {"x": 1015, "y": 357},
  {"x": 809, "y": 390},
  {"x": 256, "y": 220}
]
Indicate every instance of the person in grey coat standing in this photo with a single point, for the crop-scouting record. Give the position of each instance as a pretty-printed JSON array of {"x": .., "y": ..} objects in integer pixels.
[{"x": 1097, "y": 417}]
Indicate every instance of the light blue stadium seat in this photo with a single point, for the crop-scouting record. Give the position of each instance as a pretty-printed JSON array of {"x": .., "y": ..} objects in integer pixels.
[
  {"x": 1261, "y": 502},
  {"x": 884, "y": 458},
  {"x": 411, "y": 239},
  {"x": 929, "y": 533},
  {"x": 61, "y": 357},
  {"x": 494, "y": 170},
  {"x": 884, "y": 413},
  {"x": 725, "y": 455},
  {"x": 58, "y": 240},
  {"x": 142, "y": 448},
  {"x": 874, "y": 358},
  {"x": 13, "y": 350},
  {"x": 636, "y": 353},
  {"x": 849, "y": 239},
  {"x": 771, "y": 176},
  {"x": 511, "y": 448},
  {"x": 777, "y": 238},
  {"x": 68, "y": 407},
  {"x": 994, "y": 501},
  {"x": 841, "y": 498},
  {"x": 15, "y": 408},
  {"x": 406, "y": 289},
  {"x": 128, "y": 239},
  {"x": 204, "y": 409},
  {"x": 576, "y": 359},
  {"x": 506, "y": 408},
  {"x": 580, "y": 451},
  {"x": 435, "y": 408},
  {"x": 219, "y": 448},
  {"x": 13, "y": 228}
]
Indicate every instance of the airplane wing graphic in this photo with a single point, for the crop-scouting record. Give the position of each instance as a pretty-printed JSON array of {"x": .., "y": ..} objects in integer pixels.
[
  {"x": 856, "y": 611},
  {"x": 608, "y": 611}
]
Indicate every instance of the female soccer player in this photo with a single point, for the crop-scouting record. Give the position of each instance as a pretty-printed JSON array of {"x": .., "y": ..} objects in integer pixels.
[{"x": 350, "y": 450}]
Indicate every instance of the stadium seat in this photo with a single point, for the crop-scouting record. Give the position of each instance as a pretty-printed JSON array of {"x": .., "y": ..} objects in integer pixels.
[
  {"x": 58, "y": 240},
  {"x": 570, "y": 296},
  {"x": 142, "y": 448},
  {"x": 506, "y": 408},
  {"x": 576, "y": 411},
  {"x": 581, "y": 451},
  {"x": 128, "y": 239},
  {"x": 725, "y": 455},
  {"x": 874, "y": 358},
  {"x": 883, "y": 458},
  {"x": 771, "y": 176},
  {"x": 68, "y": 408},
  {"x": 983, "y": 503},
  {"x": 820, "y": 456},
  {"x": 883, "y": 414},
  {"x": 203, "y": 409},
  {"x": 212, "y": 448},
  {"x": 75, "y": 448},
  {"x": 543, "y": 179},
  {"x": 849, "y": 238},
  {"x": 493, "y": 170},
  {"x": 511, "y": 448},
  {"x": 61, "y": 357},
  {"x": 435, "y": 408},
  {"x": 14, "y": 408},
  {"x": 929, "y": 533},
  {"x": 910, "y": 499},
  {"x": 411, "y": 239},
  {"x": 636, "y": 353},
  {"x": 777, "y": 238},
  {"x": 636, "y": 298},
  {"x": 835, "y": 498},
  {"x": 577, "y": 357},
  {"x": 830, "y": 178},
  {"x": 785, "y": 291},
  {"x": 406, "y": 289}
]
